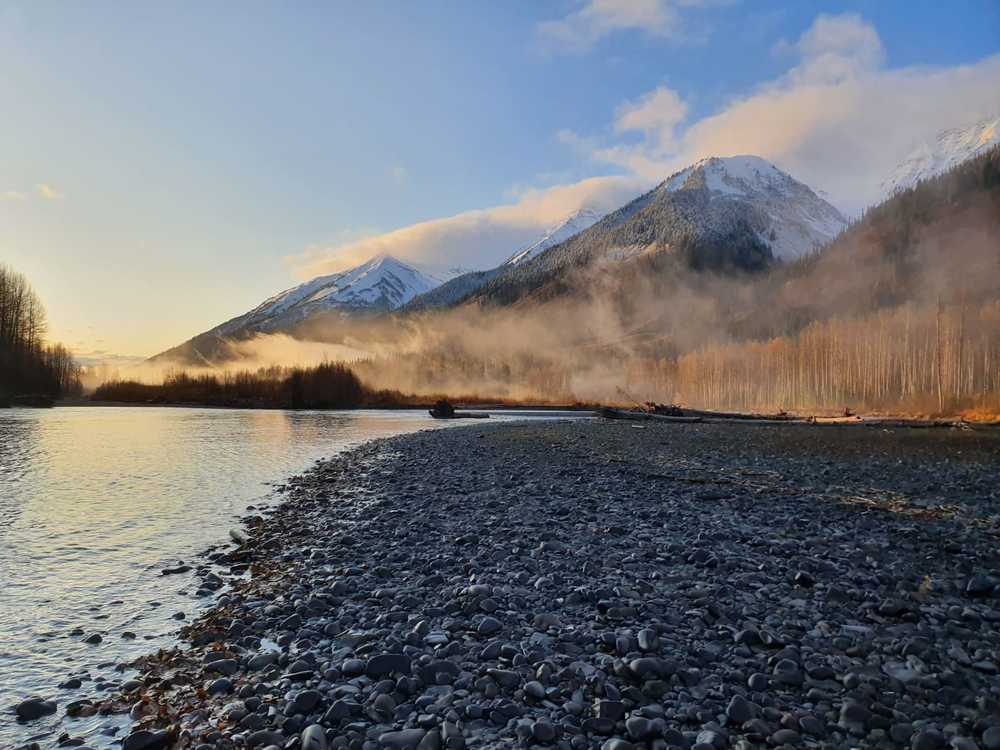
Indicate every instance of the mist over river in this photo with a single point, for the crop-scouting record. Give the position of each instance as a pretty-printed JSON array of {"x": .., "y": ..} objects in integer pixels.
[{"x": 96, "y": 501}]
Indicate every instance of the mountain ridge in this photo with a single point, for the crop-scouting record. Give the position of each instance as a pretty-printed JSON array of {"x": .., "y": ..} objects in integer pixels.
[
  {"x": 739, "y": 212},
  {"x": 949, "y": 148}
]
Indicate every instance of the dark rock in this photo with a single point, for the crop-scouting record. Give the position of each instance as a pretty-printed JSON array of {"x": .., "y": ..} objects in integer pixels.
[
  {"x": 313, "y": 737},
  {"x": 927, "y": 739},
  {"x": 405, "y": 739},
  {"x": 34, "y": 708},
  {"x": 146, "y": 740},
  {"x": 386, "y": 664}
]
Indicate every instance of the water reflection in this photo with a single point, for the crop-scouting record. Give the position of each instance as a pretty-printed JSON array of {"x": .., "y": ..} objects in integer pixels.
[{"x": 95, "y": 501}]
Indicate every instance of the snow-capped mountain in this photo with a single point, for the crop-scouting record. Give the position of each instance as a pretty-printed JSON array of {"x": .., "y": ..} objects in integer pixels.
[
  {"x": 381, "y": 284},
  {"x": 730, "y": 212},
  {"x": 465, "y": 283},
  {"x": 948, "y": 149},
  {"x": 571, "y": 225},
  {"x": 796, "y": 219}
]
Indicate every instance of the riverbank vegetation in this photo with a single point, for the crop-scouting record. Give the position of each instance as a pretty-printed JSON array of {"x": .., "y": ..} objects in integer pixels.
[
  {"x": 325, "y": 386},
  {"x": 30, "y": 366}
]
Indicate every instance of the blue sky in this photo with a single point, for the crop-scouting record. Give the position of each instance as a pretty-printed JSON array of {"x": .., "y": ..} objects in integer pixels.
[{"x": 166, "y": 166}]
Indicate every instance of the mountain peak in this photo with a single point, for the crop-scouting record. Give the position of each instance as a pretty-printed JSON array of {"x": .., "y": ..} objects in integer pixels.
[
  {"x": 798, "y": 220},
  {"x": 572, "y": 224},
  {"x": 949, "y": 148},
  {"x": 733, "y": 175},
  {"x": 382, "y": 283}
]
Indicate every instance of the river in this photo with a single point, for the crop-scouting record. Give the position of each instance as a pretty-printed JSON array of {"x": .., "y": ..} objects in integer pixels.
[{"x": 96, "y": 501}]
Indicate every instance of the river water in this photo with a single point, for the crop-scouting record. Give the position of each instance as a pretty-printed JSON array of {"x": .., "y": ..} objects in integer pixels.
[{"x": 96, "y": 501}]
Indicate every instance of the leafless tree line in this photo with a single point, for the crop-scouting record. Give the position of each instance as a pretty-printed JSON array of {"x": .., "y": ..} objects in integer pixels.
[
  {"x": 931, "y": 359},
  {"x": 27, "y": 363}
]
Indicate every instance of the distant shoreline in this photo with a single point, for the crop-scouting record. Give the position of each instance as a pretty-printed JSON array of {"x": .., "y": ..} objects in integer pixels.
[{"x": 874, "y": 419}]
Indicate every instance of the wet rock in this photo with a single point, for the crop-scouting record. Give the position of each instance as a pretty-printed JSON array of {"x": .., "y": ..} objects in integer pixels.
[
  {"x": 146, "y": 740},
  {"x": 34, "y": 708}
]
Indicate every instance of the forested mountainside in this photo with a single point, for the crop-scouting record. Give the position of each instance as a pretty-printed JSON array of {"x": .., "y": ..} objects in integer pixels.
[
  {"x": 735, "y": 213},
  {"x": 901, "y": 311},
  {"x": 460, "y": 287}
]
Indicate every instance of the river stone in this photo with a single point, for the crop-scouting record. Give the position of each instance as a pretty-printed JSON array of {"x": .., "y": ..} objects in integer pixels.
[
  {"x": 227, "y": 667},
  {"x": 34, "y": 708},
  {"x": 543, "y": 731},
  {"x": 313, "y": 737},
  {"x": 264, "y": 737},
  {"x": 353, "y": 667},
  {"x": 404, "y": 739},
  {"x": 740, "y": 710},
  {"x": 489, "y": 626},
  {"x": 260, "y": 661},
  {"x": 386, "y": 664},
  {"x": 304, "y": 702},
  {"x": 429, "y": 672},
  {"x": 979, "y": 586},
  {"x": 638, "y": 728},
  {"x": 991, "y": 738},
  {"x": 146, "y": 740},
  {"x": 927, "y": 739},
  {"x": 534, "y": 689}
]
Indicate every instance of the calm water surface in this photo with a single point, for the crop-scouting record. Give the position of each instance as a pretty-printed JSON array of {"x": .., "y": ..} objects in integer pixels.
[{"x": 96, "y": 501}]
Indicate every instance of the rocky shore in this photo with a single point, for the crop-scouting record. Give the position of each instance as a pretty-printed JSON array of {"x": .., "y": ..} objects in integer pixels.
[{"x": 604, "y": 585}]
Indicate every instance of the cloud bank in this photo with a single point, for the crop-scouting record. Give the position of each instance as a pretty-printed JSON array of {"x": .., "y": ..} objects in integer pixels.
[
  {"x": 474, "y": 239},
  {"x": 596, "y": 19},
  {"x": 838, "y": 119}
]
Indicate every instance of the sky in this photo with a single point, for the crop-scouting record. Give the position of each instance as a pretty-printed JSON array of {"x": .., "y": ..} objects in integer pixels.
[{"x": 167, "y": 166}]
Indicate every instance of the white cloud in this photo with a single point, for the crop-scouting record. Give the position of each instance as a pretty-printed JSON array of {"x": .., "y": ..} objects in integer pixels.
[
  {"x": 47, "y": 191},
  {"x": 583, "y": 28},
  {"x": 838, "y": 119},
  {"x": 474, "y": 239}
]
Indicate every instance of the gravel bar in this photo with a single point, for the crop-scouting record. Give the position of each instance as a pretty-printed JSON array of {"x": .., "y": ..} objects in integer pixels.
[{"x": 605, "y": 585}]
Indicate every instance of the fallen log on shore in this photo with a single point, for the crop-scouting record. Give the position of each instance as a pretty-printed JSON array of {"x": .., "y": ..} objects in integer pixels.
[
  {"x": 696, "y": 415},
  {"x": 642, "y": 416}
]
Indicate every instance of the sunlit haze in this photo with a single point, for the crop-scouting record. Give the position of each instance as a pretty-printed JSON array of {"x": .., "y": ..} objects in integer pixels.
[{"x": 167, "y": 166}]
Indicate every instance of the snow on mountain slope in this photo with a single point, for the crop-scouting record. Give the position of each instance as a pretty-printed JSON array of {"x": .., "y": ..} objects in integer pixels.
[
  {"x": 948, "y": 149},
  {"x": 737, "y": 212},
  {"x": 463, "y": 284},
  {"x": 573, "y": 224},
  {"x": 380, "y": 284},
  {"x": 797, "y": 219}
]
